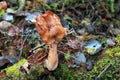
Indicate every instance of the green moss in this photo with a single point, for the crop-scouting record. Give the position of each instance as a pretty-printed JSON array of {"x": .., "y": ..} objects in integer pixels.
[
  {"x": 90, "y": 50},
  {"x": 35, "y": 72},
  {"x": 118, "y": 39},
  {"x": 14, "y": 70},
  {"x": 113, "y": 51},
  {"x": 2, "y": 11},
  {"x": 97, "y": 69},
  {"x": 64, "y": 73},
  {"x": 67, "y": 56},
  {"x": 100, "y": 65}
]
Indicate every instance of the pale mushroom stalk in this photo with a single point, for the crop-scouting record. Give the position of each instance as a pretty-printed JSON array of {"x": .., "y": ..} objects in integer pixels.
[{"x": 51, "y": 62}]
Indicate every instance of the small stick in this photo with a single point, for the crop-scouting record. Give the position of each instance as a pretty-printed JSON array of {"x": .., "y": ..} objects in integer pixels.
[
  {"x": 63, "y": 6},
  {"x": 103, "y": 71},
  {"x": 37, "y": 47},
  {"x": 70, "y": 32},
  {"x": 91, "y": 5},
  {"x": 64, "y": 53},
  {"x": 22, "y": 45}
]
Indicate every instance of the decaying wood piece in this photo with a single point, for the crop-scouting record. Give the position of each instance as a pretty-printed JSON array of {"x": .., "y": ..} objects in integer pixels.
[
  {"x": 37, "y": 57},
  {"x": 51, "y": 32}
]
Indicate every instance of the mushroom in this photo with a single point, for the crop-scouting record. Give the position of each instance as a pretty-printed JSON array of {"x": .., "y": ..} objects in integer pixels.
[
  {"x": 51, "y": 32},
  {"x": 3, "y": 5}
]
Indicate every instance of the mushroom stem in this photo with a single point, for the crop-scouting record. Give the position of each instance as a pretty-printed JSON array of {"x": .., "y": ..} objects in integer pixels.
[{"x": 51, "y": 62}]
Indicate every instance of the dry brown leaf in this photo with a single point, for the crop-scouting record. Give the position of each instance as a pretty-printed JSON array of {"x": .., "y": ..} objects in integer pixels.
[
  {"x": 37, "y": 57},
  {"x": 11, "y": 50}
]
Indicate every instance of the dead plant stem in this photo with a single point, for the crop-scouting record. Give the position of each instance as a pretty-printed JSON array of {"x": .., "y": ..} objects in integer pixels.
[{"x": 103, "y": 71}]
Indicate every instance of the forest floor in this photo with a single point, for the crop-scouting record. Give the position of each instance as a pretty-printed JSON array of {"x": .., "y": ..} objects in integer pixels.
[{"x": 89, "y": 51}]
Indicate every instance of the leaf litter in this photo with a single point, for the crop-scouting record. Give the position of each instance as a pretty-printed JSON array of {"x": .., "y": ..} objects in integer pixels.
[{"x": 88, "y": 24}]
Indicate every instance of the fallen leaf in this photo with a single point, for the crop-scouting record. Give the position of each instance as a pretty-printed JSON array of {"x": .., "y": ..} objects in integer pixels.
[
  {"x": 7, "y": 27},
  {"x": 11, "y": 50}
]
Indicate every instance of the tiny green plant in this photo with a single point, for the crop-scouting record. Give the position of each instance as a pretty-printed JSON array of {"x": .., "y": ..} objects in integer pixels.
[{"x": 67, "y": 56}]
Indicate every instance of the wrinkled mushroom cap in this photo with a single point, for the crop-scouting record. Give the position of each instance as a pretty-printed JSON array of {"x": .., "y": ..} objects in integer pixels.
[
  {"x": 50, "y": 28},
  {"x": 3, "y": 5}
]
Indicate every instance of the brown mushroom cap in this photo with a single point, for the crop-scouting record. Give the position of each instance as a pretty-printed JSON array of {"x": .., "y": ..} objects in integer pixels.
[
  {"x": 3, "y": 5},
  {"x": 50, "y": 28}
]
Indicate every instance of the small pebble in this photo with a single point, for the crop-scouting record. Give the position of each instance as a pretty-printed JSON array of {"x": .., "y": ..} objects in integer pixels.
[
  {"x": 8, "y": 17},
  {"x": 93, "y": 47},
  {"x": 89, "y": 65},
  {"x": 79, "y": 58},
  {"x": 110, "y": 42}
]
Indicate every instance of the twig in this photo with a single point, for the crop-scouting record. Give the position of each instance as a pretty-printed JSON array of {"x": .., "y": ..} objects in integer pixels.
[
  {"x": 63, "y": 7},
  {"x": 37, "y": 47},
  {"x": 70, "y": 32},
  {"x": 22, "y": 45},
  {"x": 91, "y": 5},
  {"x": 64, "y": 53},
  {"x": 76, "y": 11},
  {"x": 104, "y": 8},
  {"x": 103, "y": 71}
]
